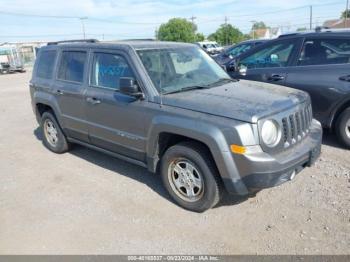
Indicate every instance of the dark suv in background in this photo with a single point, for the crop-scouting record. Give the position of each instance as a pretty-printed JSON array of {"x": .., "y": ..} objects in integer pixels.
[
  {"x": 316, "y": 62},
  {"x": 233, "y": 51}
]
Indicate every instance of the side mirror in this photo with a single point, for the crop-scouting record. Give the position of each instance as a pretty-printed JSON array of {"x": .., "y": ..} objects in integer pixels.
[
  {"x": 128, "y": 86},
  {"x": 242, "y": 70},
  {"x": 232, "y": 66}
]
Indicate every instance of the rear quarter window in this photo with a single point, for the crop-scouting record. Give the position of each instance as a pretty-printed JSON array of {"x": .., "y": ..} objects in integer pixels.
[
  {"x": 72, "y": 66},
  {"x": 46, "y": 64},
  {"x": 325, "y": 52}
]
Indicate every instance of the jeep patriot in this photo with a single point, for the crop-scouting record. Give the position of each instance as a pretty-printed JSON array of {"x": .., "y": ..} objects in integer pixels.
[{"x": 170, "y": 108}]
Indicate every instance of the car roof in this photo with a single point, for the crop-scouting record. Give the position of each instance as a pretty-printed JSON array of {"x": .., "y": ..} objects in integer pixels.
[
  {"x": 124, "y": 44},
  {"x": 254, "y": 41},
  {"x": 321, "y": 32}
]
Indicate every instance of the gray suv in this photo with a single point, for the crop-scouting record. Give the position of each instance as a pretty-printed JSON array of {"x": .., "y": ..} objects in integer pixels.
[{"x": 170, "y": 108}]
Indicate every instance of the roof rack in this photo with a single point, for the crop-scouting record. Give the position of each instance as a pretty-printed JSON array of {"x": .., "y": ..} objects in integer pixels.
[
  {"x": 74, "y": 41},
  {"x": 288, "y": 34},
  {"x": 138, "y": 39},
  {"x": 318, "y": 29},
  {"x": 321, "y": 29}
]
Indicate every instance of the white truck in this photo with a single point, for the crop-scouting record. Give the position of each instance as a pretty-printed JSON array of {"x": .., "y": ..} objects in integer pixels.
[{"x": 211, "y": 47}]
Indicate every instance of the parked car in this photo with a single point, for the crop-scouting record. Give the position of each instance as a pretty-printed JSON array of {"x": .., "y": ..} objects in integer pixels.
[
  {"x": 315, "y": 62},
  {"x": 170, "y": 107},
  {"x": 211, "y": 48},
  {"x": 233, "y": 51}
]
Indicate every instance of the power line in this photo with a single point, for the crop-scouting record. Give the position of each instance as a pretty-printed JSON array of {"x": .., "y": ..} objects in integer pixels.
[
  {"x": 268, "y": 12},
  {"x": 38, "y": 16},
  {"x": 73, "y": 17},
  {"x": 157, "y": 23}
]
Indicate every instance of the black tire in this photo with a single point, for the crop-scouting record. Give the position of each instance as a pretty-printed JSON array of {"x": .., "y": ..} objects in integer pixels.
[
  {"x": 199, "y": 157},
  {"x": 61, "y": 145},
  {"x": 342, "y": 128}
]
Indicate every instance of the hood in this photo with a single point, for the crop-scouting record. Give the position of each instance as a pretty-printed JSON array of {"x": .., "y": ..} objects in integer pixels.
[{"x": 246, "y": 101}]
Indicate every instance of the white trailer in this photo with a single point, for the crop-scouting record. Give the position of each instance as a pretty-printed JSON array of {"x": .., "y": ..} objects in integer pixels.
[{"x": 10, "y": 60}]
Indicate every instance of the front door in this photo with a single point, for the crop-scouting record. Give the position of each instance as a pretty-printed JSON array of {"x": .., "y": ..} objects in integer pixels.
[
  {"x": 323, "y": 70},
  {"x": 69, "y": 88},
  {"x": 269, "y": 63},
  {"x": 115, "y": 120}
]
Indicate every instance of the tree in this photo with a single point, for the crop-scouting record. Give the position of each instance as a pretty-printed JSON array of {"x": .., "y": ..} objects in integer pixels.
[
  {"x": 227, "y": 35},
  {"x": 178, "y": 30},
  {"x": 200, "y": 37},
  {"x": 259, "y": 25},
  {"x": 345, "y": 14}
]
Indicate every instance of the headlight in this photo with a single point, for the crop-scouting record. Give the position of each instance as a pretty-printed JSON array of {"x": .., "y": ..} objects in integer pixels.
[{"x": 270, "y": 133}]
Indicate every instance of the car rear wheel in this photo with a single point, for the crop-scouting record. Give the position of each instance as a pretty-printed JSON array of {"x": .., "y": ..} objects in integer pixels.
[
  {"x": 190, "y": 177},
  {"x": 53, "y": 137},
  {"x": 343, "y": 128}
]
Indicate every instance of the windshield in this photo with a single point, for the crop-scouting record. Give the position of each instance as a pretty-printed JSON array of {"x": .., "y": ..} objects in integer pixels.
[
  {"x": 176, "y": 69},
  {"x": 239, "y": 49}
]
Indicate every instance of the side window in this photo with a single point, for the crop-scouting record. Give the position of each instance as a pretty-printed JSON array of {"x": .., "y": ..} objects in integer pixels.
[
  {"x": 236, "y": 51},
  {"x": 274, "y": 55},
  {"x": 325, "y": 52},
  {"x": 72, "y": 66},
  {"x": 108, "y": 69},
  {"x": 46, "y": 64}
]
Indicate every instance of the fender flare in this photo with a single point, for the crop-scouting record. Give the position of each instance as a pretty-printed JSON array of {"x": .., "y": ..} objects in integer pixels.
[
  {"x": 49, "y": 100},
  {"x": 207, "y": 134}
]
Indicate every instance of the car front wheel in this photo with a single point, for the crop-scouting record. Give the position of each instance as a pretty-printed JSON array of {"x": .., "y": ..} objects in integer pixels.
[
  {"x": 343, "y": 128},
  {"x": 190, "y": 176}
]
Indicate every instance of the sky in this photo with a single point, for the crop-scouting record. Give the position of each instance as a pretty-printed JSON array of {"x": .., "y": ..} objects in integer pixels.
[{"x": 26, "y": 20}]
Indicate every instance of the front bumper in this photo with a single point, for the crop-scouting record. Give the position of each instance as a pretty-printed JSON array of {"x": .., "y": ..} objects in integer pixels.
[{"x": 261, "y": 170}]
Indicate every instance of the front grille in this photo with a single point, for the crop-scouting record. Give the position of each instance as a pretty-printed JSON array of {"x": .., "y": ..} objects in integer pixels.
[{"x": 296, "y": 126}]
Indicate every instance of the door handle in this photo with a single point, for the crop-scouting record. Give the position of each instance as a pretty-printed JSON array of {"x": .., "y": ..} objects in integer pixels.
[
  {"x": 275, "y": 78},
  {"x": 345, "y": 78},
  {"x": 59, "y": 92},
  {"x": 93, "y": 100}
]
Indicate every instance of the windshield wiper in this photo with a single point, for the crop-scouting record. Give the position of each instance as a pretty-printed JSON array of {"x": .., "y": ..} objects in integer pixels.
[
  {"x": 221, "y": 81},
  {"x": 187, "y": 88}
]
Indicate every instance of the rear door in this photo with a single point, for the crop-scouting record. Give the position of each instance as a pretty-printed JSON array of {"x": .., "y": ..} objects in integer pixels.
[
  {"x": 268, "y": 63},
  {"x": 116, "y": 121},
  {"x": 322, "y": 69},
  {"x": 69, "y": 89}
]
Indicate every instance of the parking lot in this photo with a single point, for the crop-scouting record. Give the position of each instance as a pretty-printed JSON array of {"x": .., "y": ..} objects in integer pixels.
[{"x": 84, "y": 202}]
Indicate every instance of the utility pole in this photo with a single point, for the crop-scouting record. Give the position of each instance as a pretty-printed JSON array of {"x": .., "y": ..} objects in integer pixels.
[
  {"x": 192, "y": 18},
  {"x": 346, "y": 13},
  {"x": 83, "y": 25},
  {"x": 226, "y": 19},
  {"x": 156, "y": 32},
  {"x": 310, "y": 17},
  {"x": 253, "y": 29}
]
